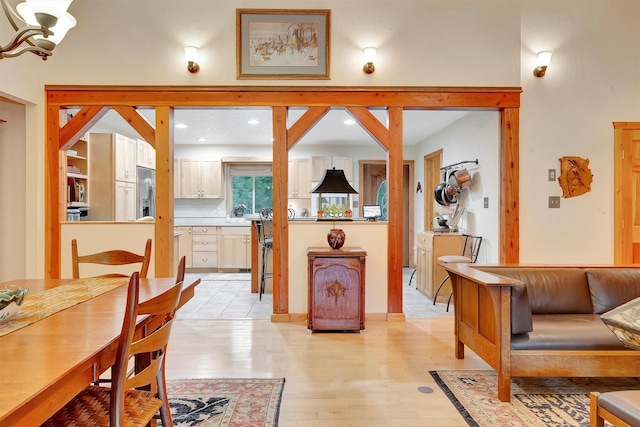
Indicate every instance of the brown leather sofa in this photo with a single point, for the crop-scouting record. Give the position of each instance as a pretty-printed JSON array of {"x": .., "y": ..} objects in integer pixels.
[{"x": 543, "y": 320}]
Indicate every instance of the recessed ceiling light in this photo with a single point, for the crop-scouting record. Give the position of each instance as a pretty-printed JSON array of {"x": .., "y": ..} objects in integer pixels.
[
  {"x": 349, "y": 122},
  {"x": 253, "y": 122},
  {"x": 181, "y": 126},
  {"x": 202, "y": 140}
]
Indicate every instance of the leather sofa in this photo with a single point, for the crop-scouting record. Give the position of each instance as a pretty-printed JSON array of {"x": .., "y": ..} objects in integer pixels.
[{"x": 543, "y": 320}]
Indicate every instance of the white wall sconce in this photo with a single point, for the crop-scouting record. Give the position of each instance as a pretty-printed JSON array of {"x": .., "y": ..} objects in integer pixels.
[
  {"x": 40, "y": 26},
  {"x": 191, "y": 55},
  {"x": 544, "y": 59},
  {"x": 369, "y": 57}
]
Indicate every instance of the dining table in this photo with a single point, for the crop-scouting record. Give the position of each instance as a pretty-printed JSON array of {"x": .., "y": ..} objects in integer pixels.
[{"x": 63, "y": 338}]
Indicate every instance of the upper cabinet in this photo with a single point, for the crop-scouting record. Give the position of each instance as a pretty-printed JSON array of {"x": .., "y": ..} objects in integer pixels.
[
  {"x": 321, "y": 163},
  {"x": 299, "y": 184},
  {"x": 146, "y": 154},
  {"x": 124, "y": 153},
  {"x": 200, "y": 179}
]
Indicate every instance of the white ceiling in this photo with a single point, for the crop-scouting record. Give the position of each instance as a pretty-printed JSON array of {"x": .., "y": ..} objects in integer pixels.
[{"x": 231, "y": 125}]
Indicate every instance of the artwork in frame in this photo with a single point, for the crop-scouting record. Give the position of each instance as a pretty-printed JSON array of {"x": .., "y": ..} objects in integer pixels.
[{"x": 282, "y": 43}]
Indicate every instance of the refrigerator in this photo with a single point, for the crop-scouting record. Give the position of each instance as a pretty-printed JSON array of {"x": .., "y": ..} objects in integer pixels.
[{"x": 146, "y": 192}]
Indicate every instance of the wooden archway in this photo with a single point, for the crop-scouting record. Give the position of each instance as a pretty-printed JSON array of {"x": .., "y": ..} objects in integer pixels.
[{"x": 96, "y": 100}]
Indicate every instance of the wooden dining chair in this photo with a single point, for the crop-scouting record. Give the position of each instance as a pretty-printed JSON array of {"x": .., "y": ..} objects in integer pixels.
[
  {"x": 111, "y": 257},
  {"x": 125, "y": 402},
  {"x": 618, "y": 408}
]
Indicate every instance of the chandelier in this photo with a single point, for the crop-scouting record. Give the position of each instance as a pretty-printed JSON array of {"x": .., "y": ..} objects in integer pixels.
[{"x": 40, "y": 26}]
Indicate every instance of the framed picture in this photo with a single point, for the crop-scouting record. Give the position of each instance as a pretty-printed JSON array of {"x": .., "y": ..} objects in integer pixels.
[{"x": 282, "y": 44}]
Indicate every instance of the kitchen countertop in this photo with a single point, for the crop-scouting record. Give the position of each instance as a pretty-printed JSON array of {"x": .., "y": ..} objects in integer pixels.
[{"x": 210, "y": 222}]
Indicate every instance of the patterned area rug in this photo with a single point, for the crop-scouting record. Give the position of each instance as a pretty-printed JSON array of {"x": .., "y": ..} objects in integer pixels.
[
  {"x": 225, "y": 402},
  {"x": 542, "y": 402}
]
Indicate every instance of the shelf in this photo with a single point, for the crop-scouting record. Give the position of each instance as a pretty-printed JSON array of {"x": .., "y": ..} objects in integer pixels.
[
  {"x": 72, "y": 156},
  {"x": 77, "y": 175}
]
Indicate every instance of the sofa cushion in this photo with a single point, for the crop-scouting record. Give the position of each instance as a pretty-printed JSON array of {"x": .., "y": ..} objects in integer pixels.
[
  {"x": 612, "y": 287},
  {"x": 521, "y": 319},
  {"x": 567, "y": 332},
  {"x": 559, "y": 290}
]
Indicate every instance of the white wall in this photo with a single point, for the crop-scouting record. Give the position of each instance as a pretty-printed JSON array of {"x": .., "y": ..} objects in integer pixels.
[
  {"x": 474, "y": 136},
  {"x": 593, "y": 80}
]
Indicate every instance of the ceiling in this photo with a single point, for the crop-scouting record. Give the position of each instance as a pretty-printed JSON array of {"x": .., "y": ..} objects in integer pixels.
[{"x": 251, "y": 125}]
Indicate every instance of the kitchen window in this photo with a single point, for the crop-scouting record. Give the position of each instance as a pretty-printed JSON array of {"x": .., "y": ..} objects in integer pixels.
[{"x": 251, "y": 188}]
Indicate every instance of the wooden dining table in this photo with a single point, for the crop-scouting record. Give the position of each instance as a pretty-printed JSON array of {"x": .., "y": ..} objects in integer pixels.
[{"x": 46, "y": 363}]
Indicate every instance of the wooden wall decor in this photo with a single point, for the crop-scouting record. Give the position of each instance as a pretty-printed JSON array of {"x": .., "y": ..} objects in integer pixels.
[{"x": 575, "y": 176}]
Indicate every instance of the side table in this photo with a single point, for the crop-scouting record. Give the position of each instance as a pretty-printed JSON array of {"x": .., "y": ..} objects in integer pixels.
[{"x": 336, "y": 288}]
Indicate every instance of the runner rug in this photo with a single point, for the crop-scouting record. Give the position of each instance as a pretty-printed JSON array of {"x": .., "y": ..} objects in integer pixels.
[
  {"x": 535, "y": 402},
  {"x": 225, "y": 402}
]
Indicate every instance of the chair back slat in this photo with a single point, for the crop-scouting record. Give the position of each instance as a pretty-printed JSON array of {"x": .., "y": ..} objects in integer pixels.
[{"x": 111, "y": 257}]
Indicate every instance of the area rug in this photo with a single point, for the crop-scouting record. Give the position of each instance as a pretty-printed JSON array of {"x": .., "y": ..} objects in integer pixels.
[
  {"x": 535, "y": 402},
  {"x": 225, "y": 402}
]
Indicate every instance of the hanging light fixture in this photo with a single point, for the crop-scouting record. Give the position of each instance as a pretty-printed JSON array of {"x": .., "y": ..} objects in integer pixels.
[{"x": 40, "y": 26}]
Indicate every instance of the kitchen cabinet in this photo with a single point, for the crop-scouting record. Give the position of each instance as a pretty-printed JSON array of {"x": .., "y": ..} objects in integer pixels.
[
  {"x": 321, "y": 163},
  {"x": 235, "y": 248},
  {"x": 430, "y": 247},
  {"x": 176, "y": 178},
  {"x": 336, "y": 288},
  {"x": 113, "y": 183},
  {"x": 299, "y": 184},
  {"x": 76, "y": 160},
  {"x": 125, "y": 201},
  {"x": 185, "y": 242},
  {"x": 200, "y": 179},
  {"x": 146, "y": 154},
  {"x": 205, "y": 247}
]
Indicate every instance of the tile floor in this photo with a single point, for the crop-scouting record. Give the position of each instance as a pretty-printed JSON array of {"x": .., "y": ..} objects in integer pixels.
[{"x": 228, "y": 296}]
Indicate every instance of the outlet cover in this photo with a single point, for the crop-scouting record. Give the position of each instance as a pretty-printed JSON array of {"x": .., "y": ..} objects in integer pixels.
[{"x": 554, "y": 201}]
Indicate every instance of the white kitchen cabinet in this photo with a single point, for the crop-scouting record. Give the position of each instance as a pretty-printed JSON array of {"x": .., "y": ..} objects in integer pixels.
[
  {"x": 146, "y": 154},
  {"x": 205, "y": 247},
  {"x": 176, "y": 178},
  {"x": 113, "y": 164},
  {"x": 235, "y": 248},
  {"x": 299, "y": 183},
  {"x": 125, "y": 201},
  {"x": 321, "y": 163},
  {"x": 200, "y": 179},
  {"x": 185, "y": 242}
]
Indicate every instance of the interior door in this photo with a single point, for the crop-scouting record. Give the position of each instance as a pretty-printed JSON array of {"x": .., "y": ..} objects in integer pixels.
[{"x": 627, "y": 193}]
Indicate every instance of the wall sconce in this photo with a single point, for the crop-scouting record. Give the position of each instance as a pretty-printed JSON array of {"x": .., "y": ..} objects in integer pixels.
[
  {"x": 46, "y": 22},
  {"x": 191, "y": 55},
  {"x": 369, "y": 57},
  {"x": 544, "y": 59}
]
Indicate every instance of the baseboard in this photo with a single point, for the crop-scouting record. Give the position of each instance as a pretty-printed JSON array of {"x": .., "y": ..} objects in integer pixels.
[{"x": 302, "y": 317}]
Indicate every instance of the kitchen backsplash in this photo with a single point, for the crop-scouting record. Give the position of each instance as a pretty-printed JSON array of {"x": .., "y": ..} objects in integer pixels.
[{"x": 192, "y": 208}]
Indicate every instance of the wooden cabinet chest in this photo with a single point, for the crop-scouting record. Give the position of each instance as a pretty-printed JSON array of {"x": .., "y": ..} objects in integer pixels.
[{"x": 336, "y": 289}]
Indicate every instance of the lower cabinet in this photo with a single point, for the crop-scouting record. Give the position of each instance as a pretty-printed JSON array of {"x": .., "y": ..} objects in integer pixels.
[
  {"x": 430, "y": 247},
  {"x": 235, "y": 248},
  {"x": 205, "y": 247},
  {"x": 185, "y": 242},
  {"x": 336, "y": 289},
  {"x": 125, "y": 201}
]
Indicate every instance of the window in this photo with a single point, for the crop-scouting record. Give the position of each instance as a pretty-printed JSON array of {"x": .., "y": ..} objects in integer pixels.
[{"x": 251, "y": 187}]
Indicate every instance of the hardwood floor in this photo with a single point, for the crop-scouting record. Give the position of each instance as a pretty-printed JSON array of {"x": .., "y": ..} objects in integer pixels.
[{"x": 332, "y": 379}]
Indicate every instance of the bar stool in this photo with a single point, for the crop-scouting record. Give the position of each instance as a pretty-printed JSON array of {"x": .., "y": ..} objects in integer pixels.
[
  {"x": 265, "y": 239},
  {"x": 470, "y": 252}
]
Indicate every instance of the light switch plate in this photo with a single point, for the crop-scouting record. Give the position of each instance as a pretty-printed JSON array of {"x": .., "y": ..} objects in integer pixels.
[
  {"x": 486, "y": 202},
  {"x": 551, "y": 174}
]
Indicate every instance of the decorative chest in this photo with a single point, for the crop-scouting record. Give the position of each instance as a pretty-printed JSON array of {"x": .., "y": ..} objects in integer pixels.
[{"x": 336, "y": 288}]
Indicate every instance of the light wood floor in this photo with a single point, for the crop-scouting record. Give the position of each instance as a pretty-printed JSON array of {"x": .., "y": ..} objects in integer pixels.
[{"x": 366, "y": 379}]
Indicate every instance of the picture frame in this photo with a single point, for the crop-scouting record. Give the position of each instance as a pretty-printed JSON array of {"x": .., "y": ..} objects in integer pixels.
[{"x": 283, "y": 43}]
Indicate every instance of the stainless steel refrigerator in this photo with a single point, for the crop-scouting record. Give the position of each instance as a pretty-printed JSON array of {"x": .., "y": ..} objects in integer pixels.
[{"x": 146, "y": 191}]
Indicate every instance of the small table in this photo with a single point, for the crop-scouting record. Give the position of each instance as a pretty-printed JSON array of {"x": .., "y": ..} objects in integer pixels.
[{"x": 336, "y": 288}]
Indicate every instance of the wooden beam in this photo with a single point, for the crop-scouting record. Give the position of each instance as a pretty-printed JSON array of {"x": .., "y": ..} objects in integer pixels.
[
  {"x": 164, "y": 192},
  {"x": 304, "y": 124},
  {"x": 80, "y": 124},
  {"x": 509, "y": 222},
  {"x": 371, "y": 124},
  {"x": 139, "y": 123},
  {"x": 394, "y": 211},
  {"x": 52, "y": 196},
  {"x": 280, "y": 223}
]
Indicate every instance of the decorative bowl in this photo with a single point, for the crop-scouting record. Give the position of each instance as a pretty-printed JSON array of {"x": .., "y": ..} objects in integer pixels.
[{"x": 10, "y": 301}]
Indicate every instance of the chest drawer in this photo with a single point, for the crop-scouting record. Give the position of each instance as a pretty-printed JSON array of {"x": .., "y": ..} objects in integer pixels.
[
  {"x": 205, "y": 259},
  {"x": 205, "y": 242},
  {"x": 205, "y": 231}
]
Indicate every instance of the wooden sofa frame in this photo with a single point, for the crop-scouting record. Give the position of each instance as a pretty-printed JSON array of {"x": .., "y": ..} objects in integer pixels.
[{"x": 483, "y": 324}]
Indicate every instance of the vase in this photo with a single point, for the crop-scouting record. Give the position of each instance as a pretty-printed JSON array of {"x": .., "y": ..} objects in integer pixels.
[{"x": 336, "y": 238}]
